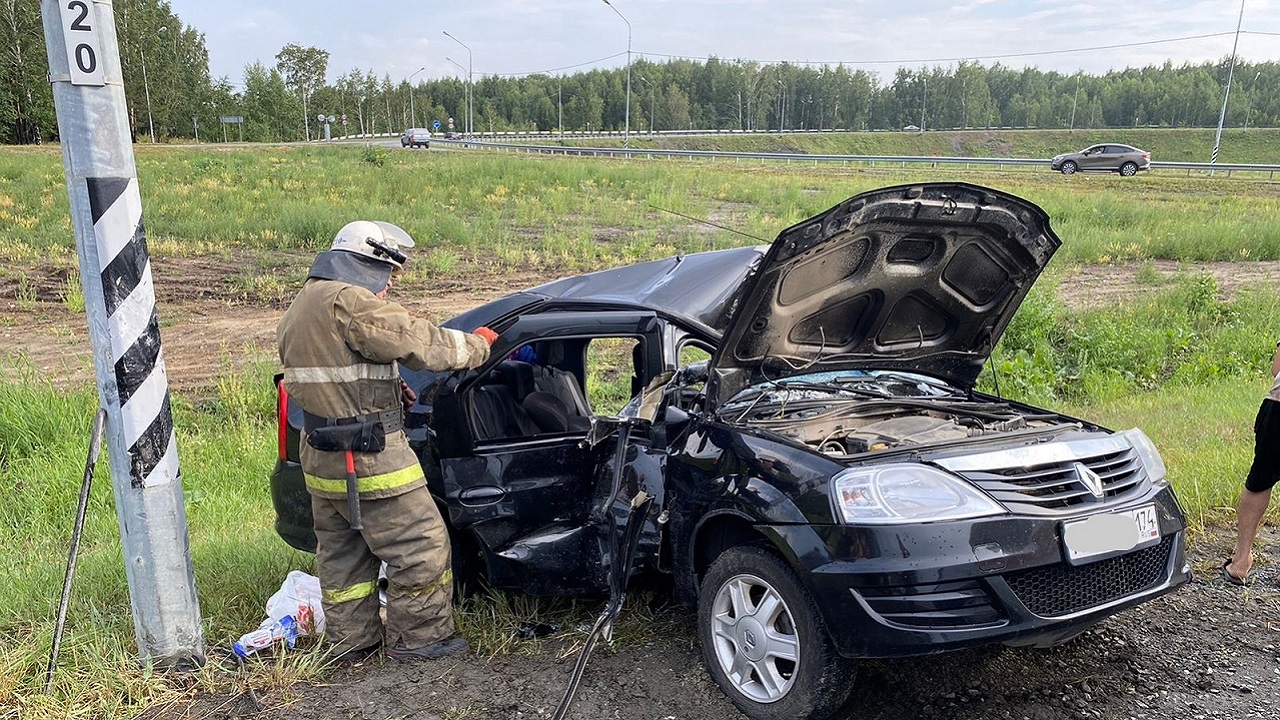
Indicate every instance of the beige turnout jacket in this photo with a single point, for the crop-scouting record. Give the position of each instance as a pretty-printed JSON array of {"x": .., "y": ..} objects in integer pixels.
[{"x": 339, "y": 344}]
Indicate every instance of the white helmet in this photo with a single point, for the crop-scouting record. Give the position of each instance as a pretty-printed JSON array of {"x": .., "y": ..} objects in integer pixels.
[{"x": 374, "y": 239}]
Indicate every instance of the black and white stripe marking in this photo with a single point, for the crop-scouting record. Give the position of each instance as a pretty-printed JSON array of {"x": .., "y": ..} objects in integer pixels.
[{"x": 141, "y": 382}]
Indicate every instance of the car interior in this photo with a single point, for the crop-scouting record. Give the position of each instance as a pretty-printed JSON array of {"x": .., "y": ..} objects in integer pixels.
[{"x": 539, "y": 395}]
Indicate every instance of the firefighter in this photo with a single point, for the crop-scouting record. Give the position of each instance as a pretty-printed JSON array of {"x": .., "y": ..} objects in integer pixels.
[{"x": 340, "y": 342}]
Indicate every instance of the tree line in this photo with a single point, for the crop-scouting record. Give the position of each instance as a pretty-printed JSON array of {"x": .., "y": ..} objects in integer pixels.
[{"x": 172, "y": 95}]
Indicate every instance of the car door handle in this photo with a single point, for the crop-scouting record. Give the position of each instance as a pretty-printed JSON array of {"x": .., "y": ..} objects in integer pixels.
[{"x": 482, "y": 495}]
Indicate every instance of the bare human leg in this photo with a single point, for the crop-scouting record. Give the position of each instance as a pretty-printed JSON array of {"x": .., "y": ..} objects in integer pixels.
[{"x": 1253, "y": 505}]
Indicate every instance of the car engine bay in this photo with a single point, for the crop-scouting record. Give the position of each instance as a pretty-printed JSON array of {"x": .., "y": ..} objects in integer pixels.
[{"x": 881, "y": 411}]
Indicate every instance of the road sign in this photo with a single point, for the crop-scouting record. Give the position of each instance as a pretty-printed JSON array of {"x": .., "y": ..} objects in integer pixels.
[
  {"x": 231, "y": 119},
  {"x": 435, "y": 124}
]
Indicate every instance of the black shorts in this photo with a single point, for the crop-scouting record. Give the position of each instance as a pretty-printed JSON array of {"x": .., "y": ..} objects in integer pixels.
[{"x": 1265, "y": 470}]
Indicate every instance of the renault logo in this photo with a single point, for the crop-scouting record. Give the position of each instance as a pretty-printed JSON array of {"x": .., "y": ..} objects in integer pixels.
[
  {"x": 1090, "y": 479},
  {"x": 749, "y": 638}
]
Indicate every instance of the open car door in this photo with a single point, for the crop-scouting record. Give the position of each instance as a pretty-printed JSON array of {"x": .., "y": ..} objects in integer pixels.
[{"x": 532, "y": 494}]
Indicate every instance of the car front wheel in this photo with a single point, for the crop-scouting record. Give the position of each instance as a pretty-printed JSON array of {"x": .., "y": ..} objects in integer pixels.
[
  {"x": 764, "y": 641},
  {"x": 1129, "y": 169},
  {"x": 1068, "y": 167}
]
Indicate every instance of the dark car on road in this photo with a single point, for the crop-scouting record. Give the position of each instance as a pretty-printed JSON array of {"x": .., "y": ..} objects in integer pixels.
[
  {"x": 792, "y": 434},
  {"x": 1110, "y": 157}
]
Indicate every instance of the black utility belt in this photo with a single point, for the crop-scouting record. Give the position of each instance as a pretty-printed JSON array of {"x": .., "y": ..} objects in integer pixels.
[{"x": 361, "y": 433}]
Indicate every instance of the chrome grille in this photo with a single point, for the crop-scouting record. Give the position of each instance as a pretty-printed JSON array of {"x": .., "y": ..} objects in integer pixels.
[
  {"x": 1062, "y": 483},
  {"x": 1062, "y": 589}
]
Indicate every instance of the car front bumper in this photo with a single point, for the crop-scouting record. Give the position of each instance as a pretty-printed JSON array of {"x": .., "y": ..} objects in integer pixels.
[{"x": 893, "y": 591}]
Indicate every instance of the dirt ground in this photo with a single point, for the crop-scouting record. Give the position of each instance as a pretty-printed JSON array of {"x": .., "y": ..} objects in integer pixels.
[
  {"x": 209, "y": 324},
  {"x": 1208, "y": 651}
]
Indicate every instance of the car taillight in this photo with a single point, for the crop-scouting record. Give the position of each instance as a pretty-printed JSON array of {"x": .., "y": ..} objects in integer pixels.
[{"x": 282, "y": 419}]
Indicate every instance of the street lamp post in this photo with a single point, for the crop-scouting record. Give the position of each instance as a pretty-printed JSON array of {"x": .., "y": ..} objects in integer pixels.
[
  {"x": 652, "y": 96},
  {"x": 1249, "y": 108},
  {"x": 924, "y": 98},
  {"x": 782, "y": 106},
  {"x": 470, "y": 84},
  {"x": 626, "y": 132},
  {"x": 413, "y": 116},
  {"x": 163, "y": 32},
  {"x": 146, "y": 91},
  {"x": 466, "y": 121},
  {"x": 1075, "y": 100}
]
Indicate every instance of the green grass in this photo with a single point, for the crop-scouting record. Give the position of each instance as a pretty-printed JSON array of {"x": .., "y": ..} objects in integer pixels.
[
  {"x": 1179, "y": 360},
  {"x": 504, "y": 212},
  {"x": 227, "y": 450}
]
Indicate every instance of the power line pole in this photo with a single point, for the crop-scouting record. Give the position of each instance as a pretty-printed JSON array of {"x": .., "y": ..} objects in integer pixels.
[
  {"x": 1217, "y": 138},
  {"x": 115, "y": 272}
]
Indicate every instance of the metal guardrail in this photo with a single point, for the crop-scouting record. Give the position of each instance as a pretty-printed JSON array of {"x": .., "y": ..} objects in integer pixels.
[{"x": 870, "y": 160}]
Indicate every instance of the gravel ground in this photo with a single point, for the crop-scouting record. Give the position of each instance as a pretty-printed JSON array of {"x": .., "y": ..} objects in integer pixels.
[{"x": 1209, "y": 651}]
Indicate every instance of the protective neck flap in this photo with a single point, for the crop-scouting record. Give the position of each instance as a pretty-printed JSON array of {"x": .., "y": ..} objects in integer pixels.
[{"x": 351, "y": 268}]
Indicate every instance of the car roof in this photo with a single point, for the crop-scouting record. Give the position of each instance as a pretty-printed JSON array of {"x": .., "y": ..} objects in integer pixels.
[{"x": 696, "y": 290}]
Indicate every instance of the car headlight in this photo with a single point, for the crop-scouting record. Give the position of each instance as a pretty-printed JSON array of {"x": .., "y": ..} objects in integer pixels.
[
  {"x": 903, "y": 493},
  {"x": 1148, "y": 454}
]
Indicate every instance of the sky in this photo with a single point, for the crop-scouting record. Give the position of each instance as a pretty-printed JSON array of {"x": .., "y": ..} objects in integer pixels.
[{"x": 517, "y": 37}]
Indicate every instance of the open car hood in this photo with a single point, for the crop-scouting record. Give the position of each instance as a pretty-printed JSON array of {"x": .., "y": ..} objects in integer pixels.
[{"x": 922, "y": 278}]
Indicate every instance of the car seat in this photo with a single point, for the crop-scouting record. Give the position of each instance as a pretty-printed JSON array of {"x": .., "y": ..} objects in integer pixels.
[
  {"x": 550, "y": 378},
  {"x": 498, "y": 411},
  {"x": 546, "y": 409}
]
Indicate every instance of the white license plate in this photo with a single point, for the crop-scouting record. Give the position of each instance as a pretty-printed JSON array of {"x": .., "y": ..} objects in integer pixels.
[{"x": 1109, "y": 533}]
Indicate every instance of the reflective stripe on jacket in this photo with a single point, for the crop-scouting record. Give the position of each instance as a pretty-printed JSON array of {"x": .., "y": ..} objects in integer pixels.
[{"x": 340, "y": 344}]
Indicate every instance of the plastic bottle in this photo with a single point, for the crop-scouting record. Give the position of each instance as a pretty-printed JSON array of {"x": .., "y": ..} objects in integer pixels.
[{"x": 286, "y": 628}]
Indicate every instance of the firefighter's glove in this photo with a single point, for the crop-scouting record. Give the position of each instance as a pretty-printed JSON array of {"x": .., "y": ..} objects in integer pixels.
[{"x": 489, "y": 336}]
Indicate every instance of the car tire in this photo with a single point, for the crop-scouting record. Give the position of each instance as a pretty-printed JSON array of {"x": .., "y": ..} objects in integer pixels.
[
  {"x": 1129, "y": 169},
  {"x": 1069, "y": 167},
  {"x": 792, "y": 669}
]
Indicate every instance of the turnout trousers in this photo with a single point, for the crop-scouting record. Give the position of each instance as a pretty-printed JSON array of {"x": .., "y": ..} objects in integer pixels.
[{"x": 404, "y": 531}]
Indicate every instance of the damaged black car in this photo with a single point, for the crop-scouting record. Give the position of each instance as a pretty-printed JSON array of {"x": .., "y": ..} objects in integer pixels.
[{"x": 792, "y": 433}]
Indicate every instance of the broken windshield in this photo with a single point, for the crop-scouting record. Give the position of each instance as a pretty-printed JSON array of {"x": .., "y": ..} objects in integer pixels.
[{"x": 843, "y": 384}]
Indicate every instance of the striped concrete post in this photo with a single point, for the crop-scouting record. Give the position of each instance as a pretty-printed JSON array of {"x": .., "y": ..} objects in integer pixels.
[{"x": 115, "y": 271}]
